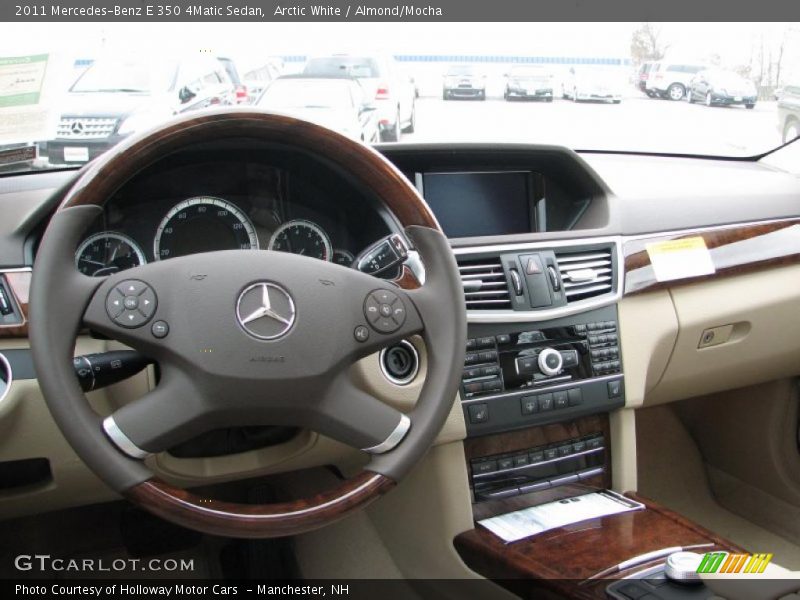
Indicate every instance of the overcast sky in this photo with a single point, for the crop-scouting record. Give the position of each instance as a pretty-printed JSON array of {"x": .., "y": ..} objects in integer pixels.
[{"x": 688, "y": 40}]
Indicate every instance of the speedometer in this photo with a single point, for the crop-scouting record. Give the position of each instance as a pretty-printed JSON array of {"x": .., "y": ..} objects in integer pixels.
[
  {"x": 203, "y": 224},
  {"x": 302, "y": 237}
]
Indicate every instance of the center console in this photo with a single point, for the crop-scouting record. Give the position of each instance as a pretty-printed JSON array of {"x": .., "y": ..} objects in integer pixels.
[{"x": 543, "y": 370}]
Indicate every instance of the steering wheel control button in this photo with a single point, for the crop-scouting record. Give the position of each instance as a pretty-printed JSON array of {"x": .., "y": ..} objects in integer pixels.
[
  {"x": 385, "y": 311},
  {"x": 361, "y": 333},
  {"x": 131, "y": 303},
  {"x": 114, "y": 304},
  {"x": 160, "y": 329}
]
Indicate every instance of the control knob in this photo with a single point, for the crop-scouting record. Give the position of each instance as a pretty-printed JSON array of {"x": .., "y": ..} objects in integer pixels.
[{"x": 550, "y": 362}]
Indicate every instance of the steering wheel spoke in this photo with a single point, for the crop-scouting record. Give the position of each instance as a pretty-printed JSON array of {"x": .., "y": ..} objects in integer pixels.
[
  {"x": 358, "y": 419},
  {"x": 173, "y": 412}
]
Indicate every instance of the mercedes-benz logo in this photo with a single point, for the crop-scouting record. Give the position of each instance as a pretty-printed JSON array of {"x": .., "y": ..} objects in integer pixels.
[
  {"x": 77, "y": 127},
  {"x": 265, "y": 311}
]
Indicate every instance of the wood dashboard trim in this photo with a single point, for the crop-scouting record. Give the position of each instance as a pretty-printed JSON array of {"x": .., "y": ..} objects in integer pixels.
[
  {"x": 19, "y": 282},
  {"x": 734, "y": 249}
]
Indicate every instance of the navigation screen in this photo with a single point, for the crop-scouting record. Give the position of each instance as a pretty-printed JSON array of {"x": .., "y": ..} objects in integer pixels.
[{"x": 475, "y": 204}]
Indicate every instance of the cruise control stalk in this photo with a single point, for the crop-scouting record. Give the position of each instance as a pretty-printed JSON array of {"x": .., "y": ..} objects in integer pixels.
[{"x": 99, "y": 370}]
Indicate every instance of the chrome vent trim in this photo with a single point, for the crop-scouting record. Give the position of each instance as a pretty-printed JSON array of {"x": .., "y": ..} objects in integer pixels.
[
  {"x": 484, "y": 282},
  {"x": 563, "y": 246},
  {"x": 586, "y": 274}
]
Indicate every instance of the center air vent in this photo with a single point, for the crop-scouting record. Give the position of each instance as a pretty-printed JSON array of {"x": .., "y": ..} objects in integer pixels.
[
  {"x": 484, "y": 282},
  {"x": 586, "y": 274}
]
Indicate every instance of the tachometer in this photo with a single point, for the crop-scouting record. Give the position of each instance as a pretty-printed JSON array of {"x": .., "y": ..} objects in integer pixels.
[
  {"x": 203, "y": 224},
  {"x": 108, "y": 252},
  {"x": 302, "y": 237}
]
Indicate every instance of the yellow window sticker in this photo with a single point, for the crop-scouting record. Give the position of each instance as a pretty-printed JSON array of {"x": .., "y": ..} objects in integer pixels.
[{"x": 680, "y": 259}]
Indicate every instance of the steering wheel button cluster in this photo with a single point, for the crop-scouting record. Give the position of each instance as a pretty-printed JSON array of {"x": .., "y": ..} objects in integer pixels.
[
  {"x": 385, "y": 311},
  {"x": 131, "y": 304}
]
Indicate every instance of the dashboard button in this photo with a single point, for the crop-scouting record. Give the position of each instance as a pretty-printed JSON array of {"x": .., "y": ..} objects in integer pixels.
[
  {"x": 493, "y": 385},
  {"x": 484, "y": 466},
  {"x": 570, "y": 358},
  {"x": 546, "y": 402},
  {"x": 614, "y": 389},
  {"x": 560, "y": 399},
  {"x": 521, "y": 460},
  {"x": 474, "y": 387},
  {"x": 114, "y": 306},
  {"x": 472, "y": 343},
  {"x": 529, "y": 405},
  {"x": 575, "y": 396},
  {"x": 485, "y": 342},
  {"x": 537, "y": 456},
  {"x": 527, "y": 365},
  {"x": 505, "y": 463},
  {"x": 471, "y": 358},
  {"x": 489, "y": 356},
  {"x": 478, "y": 413},
  {"x": 491, "y": 370},
  {"x": 579, "y": 446},
  {"x": 472, "y": 373},
  {"x": 550, "y": 453},
  {"x": 503, "y": 339},
  {"x": 565, "y": 450},
  {"x": 361, "y": 333},
  {"x": 594, "y": 443}
]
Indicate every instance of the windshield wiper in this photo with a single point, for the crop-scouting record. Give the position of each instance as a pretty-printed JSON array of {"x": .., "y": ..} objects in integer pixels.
[{"x": 106, "y": 90}]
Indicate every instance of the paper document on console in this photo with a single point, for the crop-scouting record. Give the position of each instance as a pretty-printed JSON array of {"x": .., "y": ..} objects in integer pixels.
[{"x": 523, "y": 523}]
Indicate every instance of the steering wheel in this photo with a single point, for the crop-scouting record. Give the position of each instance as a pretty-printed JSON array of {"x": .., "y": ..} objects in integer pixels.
[{"x": 252, "y": 337}]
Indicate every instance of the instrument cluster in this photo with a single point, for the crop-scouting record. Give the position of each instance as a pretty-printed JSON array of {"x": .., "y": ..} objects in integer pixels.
[{"x": 270, "y": 210}]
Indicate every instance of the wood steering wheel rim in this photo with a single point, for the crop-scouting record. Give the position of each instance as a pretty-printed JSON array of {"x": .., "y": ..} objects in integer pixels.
[{"x": 100, "y": 180}]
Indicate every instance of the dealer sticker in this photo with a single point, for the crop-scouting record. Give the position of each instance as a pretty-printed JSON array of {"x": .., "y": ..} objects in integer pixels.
[{"x": 679, "y": 259}]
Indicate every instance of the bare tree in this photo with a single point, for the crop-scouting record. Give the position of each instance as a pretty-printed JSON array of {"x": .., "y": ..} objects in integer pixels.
[{"x": 646, "y": 44}]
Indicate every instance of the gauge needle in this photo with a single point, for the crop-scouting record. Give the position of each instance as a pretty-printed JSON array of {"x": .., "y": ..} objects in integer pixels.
[
  {"x": 93, "y": 262},
  {"x": 114, "y": 254}
]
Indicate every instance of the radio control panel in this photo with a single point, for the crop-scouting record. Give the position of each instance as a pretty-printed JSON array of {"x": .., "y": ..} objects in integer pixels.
[{"x": 523, "y": 374}]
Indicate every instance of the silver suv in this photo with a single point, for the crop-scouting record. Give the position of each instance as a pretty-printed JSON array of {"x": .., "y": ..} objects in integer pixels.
[
  {"x": 670, "y": 80},
  {"x": 382, "y": 80}
]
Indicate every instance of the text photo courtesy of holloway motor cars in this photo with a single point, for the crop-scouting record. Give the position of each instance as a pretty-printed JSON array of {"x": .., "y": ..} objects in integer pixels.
[{"x": 434, "y": 301}]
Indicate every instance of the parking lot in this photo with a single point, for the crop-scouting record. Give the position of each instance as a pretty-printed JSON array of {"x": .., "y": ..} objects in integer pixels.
[{"x": 638, "y": 123}]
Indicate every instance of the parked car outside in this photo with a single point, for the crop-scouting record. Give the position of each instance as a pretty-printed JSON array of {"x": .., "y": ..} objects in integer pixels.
[
  {"x": 116, "y": 97},
  {"x": 382, "y": 80},
  {"x": 337, "y": 103},
  {"x": 643, "y": 75},
  {"x": 789, "y": 112},
  {"x": 256, "y": 76},
  {"x": 529, "y": 81},
  {"x": 240, "y": 89},
  {"x": 593, "y": 83},
  {"x": 670, "y": 79},
  {"x": 718, "y": 87},
  {"x": 463, "y": 81}
]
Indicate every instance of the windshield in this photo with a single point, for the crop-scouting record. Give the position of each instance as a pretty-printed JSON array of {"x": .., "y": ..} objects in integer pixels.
[
  {"x": 286, "y": 94},
  {"x": 70, "y": 93},
  {"x": 122, "y": 76}
]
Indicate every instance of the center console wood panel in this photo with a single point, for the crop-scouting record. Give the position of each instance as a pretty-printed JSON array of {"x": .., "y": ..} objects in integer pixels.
[{"x": 557, "y": 563}]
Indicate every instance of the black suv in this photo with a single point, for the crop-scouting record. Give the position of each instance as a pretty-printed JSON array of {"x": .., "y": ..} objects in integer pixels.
[{"x": 114, "y": 98}]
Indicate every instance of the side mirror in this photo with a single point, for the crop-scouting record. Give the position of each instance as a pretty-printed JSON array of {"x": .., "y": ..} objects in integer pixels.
[{"x": 185, "y": 94}]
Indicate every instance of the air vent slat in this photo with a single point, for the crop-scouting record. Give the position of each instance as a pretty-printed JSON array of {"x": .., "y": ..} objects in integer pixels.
[
  {"x": 484, "y": 282},
  {"x": 585, "y": 274}
]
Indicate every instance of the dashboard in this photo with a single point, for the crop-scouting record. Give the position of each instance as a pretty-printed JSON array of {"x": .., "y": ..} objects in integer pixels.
[{"x": 567, "y": 320}]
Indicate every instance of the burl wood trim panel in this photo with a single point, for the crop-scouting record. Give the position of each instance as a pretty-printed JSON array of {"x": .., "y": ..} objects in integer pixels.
[
  {"x": 734, "y": 250},
  {"x": 558, "y": 562},
  {"x": 19, "y": 283}
]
